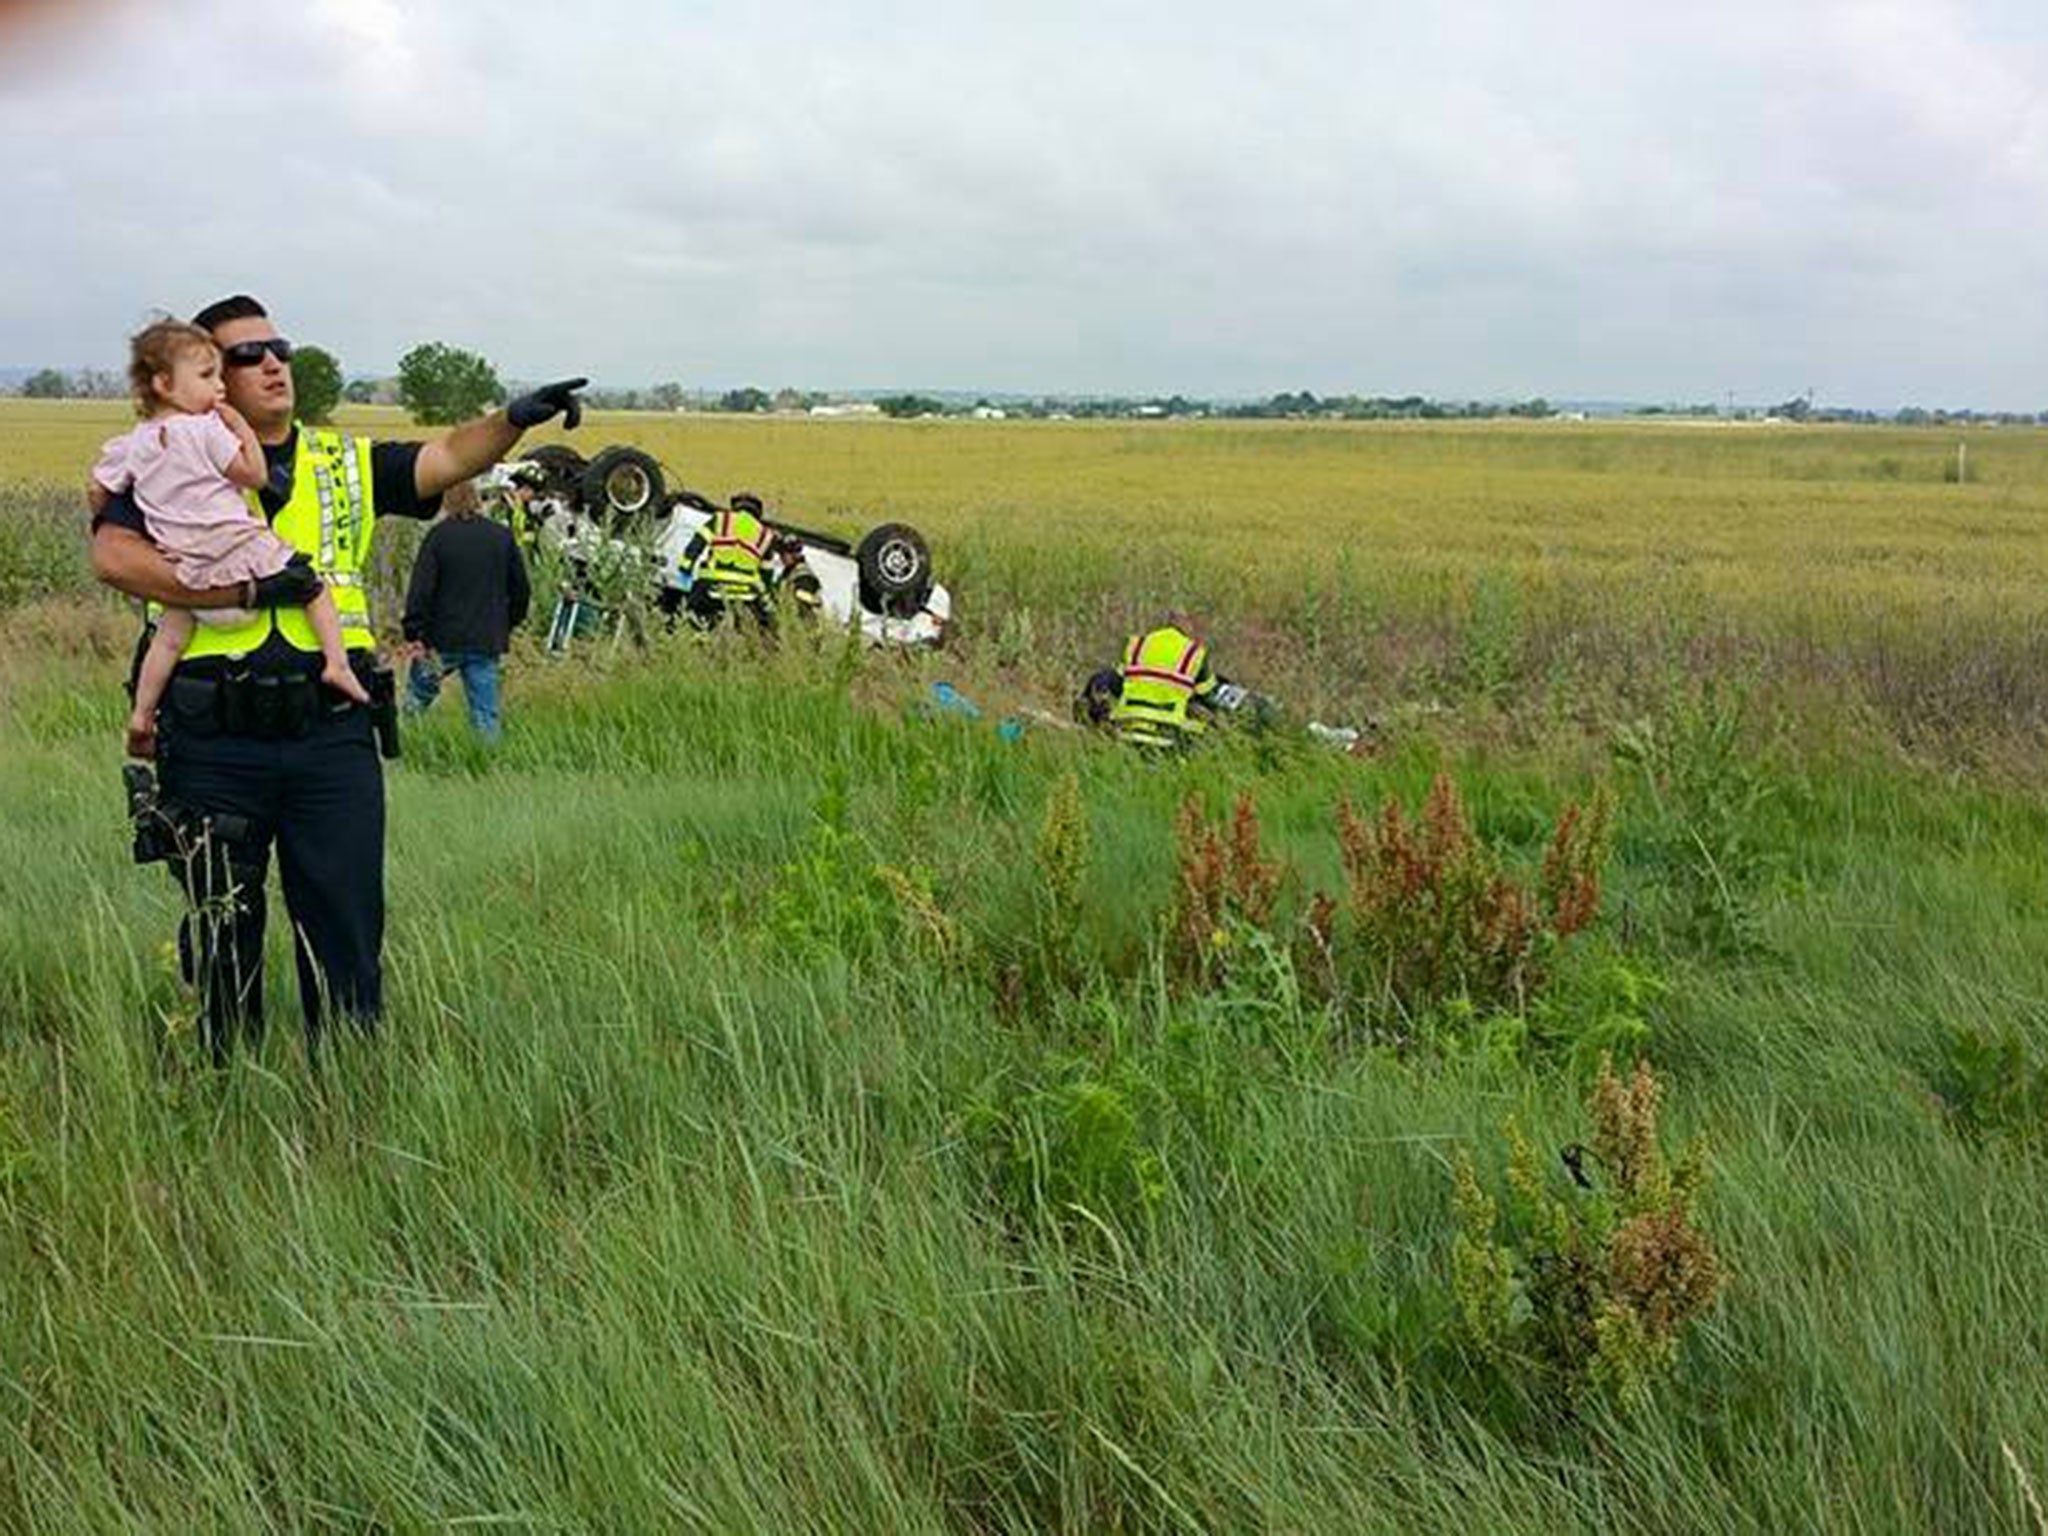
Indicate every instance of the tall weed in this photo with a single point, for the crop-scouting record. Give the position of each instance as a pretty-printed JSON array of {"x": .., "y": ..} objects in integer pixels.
[
  {"x": 1061, "y": 855},
  {"x": 1491, "y": 646},
  {"x": 833, "y": 896},
  {"x": 1993, "y": 1083},
  {"x": 43, "y": 544},
  {"x": 1584, "y": 1286},
  {"x": 1710, "y": 791},
  {"x": 1226, "y": 889},
  {"x": 1075, "y": 1142},
  {"x": 1430, "y": 913}
]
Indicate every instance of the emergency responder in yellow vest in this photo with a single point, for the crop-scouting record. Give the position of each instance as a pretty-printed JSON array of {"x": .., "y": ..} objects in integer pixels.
[
  {"x": 1161, "y": 695},
  {"x": 733, "y": 565},
  {"x": 252, "y": 748},
  {"x": 514, "y": 504}
]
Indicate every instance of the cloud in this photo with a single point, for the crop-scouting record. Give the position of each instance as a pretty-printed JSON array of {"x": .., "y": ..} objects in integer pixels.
[
  {"x": 1581, "y": 198},
  {"x": 378, "y": 60}
]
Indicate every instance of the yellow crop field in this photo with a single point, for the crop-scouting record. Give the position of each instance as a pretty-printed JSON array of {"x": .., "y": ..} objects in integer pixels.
[
  {"x": 1358, "y": 567},
  {"x": 1792, "y": 516}
]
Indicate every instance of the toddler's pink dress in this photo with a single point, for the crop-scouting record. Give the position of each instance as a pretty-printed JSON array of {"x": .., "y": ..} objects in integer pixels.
[{"x": 176, "y": 467}]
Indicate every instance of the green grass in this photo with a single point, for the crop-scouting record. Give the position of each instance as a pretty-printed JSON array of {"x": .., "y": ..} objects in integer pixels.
[
  {"x": 651, "y": 1211},
  {"x": 668, "y": 1200}
]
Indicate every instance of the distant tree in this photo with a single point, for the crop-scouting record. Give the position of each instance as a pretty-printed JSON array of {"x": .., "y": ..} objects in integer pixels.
[
  {"x": 666, "y": 397},
  {"x": 901, "y": 406},
  {"x": 99, "y": 384},
  {"x": 316, "y": 381},
  {"x": 442, "y": 385},
  {"x": 745, "y": 400},
  {"x": 46, "y": 384},
  {"x": 359, "y": 391}
]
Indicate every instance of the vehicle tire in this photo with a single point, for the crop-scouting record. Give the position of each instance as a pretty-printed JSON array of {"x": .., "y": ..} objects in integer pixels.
[
  {"x": 895, "y": 570},
  {"x": 562, "y": 465},
  {"x": 622, "y": 486}
]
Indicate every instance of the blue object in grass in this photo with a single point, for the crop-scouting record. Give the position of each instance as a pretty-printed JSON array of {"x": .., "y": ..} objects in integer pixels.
[{"x": 952, "y": 701}]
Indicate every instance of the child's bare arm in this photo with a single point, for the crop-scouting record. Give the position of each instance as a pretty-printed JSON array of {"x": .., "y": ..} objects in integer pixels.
[
  {"x": 249, "y": 470},
  {"x": 96, "y": 497}
]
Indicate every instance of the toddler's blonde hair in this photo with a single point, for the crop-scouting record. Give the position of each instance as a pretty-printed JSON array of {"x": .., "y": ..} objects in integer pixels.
[{"x": 156, "y": 349}]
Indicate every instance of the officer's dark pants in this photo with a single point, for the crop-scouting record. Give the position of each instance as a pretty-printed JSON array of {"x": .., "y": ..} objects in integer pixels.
[
  {"x": 320, "y": 798},
  {"x": 708, "y": 610}
]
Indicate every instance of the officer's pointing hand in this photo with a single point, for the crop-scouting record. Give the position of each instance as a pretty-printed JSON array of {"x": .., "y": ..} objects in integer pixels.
[{"x": 559, "y": 398}]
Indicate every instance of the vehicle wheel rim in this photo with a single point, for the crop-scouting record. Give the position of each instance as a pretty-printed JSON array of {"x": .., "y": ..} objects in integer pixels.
[
  {"x": 626, "y": 488},
  {"x": 898, "y": 562}
]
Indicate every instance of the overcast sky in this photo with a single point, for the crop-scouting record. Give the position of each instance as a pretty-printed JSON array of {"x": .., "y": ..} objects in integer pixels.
[{"x": 1577, "y": 198}]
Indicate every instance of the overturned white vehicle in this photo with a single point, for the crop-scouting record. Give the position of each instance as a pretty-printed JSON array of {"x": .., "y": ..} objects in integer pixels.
[{"x": 617, "y": 504}]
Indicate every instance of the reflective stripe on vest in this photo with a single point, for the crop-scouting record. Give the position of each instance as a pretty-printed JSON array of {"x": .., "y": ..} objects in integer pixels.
[
  {"x": 736, "y": 546},
  {"x": 331, "y": 517},
  {"x": 1160, "y": 674}
]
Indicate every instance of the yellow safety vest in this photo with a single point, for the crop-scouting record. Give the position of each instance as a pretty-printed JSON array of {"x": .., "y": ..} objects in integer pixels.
[
  {"x": 330, "y": 517},
  {"x": 514, "y": 510},
  {"x": 1162, "y": 674},
  {"x": 735, "y": 558}
]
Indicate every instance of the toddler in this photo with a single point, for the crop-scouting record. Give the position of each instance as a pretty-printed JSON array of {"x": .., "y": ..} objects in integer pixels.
[{"x": 187, "y": 464}]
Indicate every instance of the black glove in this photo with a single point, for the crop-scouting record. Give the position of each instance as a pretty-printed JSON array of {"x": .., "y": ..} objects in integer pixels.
[
  {"x": 531, "y": 410},
  {"x": 293, "y": 587}
]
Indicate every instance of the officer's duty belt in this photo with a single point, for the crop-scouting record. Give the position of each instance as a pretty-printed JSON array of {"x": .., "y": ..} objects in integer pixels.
[{"x": 263, "y": 706}]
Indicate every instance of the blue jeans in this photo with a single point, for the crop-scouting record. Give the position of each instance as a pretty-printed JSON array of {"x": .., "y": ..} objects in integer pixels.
[{"x": 479, "y": 671}]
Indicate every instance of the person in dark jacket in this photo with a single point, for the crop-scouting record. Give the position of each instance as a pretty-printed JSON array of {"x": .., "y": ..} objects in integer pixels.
[{"x": 468, "y": 593}]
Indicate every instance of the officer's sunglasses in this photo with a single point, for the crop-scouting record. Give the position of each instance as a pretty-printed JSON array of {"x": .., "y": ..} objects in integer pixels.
[{"x": 247, "y": 354}]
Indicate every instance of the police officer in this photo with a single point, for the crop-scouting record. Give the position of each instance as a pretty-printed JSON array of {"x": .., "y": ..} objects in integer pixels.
[
  {"x": 252, "y": 749},
  {"x": 1162, "y": 694}
]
